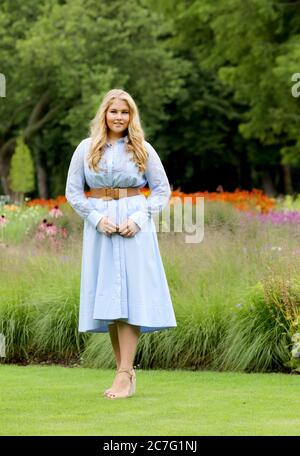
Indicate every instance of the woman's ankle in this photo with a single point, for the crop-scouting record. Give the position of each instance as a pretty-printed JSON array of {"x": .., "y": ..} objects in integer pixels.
[{"x": 125, "y": 368}]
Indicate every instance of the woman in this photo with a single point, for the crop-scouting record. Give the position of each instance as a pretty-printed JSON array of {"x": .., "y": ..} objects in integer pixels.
[{"x": 123, "y": 288}]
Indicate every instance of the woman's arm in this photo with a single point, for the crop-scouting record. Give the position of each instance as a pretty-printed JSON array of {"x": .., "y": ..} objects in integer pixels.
[
  {"x": 75, "y": 189},
  {"x": 159, "y": 186}
]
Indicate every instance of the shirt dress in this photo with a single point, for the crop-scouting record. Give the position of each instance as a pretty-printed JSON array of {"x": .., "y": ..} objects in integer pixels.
[{"x": 122, "y": 278}]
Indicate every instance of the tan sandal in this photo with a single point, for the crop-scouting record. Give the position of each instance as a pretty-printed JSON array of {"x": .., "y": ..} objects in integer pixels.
[{"x": 132, "y": 387}]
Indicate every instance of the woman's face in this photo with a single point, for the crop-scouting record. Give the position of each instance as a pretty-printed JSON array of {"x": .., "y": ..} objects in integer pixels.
[{"x": 117, "y": 117}]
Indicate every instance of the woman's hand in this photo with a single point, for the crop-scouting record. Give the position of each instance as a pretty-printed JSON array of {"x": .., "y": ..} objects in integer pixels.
[
  {"x": 106, "y": 226},
  {"x": 128, "y": 228}
]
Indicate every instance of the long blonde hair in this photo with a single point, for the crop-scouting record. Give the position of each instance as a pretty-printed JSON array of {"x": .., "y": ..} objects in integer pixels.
[{"x": 99, "y": 130}]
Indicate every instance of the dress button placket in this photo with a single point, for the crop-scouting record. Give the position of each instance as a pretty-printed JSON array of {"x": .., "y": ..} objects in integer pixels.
[
  {"x": 110, "y": 160},
  {"x": 116, "y": 238}
]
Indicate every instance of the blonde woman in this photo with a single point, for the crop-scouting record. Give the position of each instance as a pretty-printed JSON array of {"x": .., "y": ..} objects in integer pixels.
[{"x": 123, "y": 287}]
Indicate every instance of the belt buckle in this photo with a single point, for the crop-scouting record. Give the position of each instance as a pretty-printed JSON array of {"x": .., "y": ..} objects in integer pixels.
[
  {"x": 108, "y": 193},
  {"x": 123, "y": 192}
]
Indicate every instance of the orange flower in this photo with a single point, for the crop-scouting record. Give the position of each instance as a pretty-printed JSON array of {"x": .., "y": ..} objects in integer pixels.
[{"x": 244, "y": 200}]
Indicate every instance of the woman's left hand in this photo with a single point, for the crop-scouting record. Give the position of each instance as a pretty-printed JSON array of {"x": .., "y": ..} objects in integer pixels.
[{"x": 128, "y": 228}]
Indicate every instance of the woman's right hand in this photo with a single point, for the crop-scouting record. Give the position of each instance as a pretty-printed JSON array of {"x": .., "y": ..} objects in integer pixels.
[{"x": 106, "y": 226}]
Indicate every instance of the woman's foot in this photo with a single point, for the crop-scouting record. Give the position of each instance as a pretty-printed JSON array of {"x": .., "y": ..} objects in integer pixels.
[
  {"x": 108, "y": 389},
  {"x": 124, "y": 384},
  {"x": 113, "y": 385}
]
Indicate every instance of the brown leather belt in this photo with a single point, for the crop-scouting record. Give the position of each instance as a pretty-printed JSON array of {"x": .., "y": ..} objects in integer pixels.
[{"x": 108, "y": 193}]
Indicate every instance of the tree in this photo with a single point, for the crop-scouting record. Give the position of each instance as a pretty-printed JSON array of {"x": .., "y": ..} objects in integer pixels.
[
  {"x": 252, "y": 47},
  {"x": 21, "y": 174},
  {"x": 69, "y": 55}
]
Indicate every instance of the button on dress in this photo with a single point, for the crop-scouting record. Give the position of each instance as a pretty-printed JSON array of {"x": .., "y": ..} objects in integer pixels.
[{"x": 122, "y": 278}]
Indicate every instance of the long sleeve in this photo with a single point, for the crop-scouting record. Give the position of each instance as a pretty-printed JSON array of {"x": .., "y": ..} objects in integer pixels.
[
  {"x": 159, "y": 186},
  {"x": 75, "y": 189}
]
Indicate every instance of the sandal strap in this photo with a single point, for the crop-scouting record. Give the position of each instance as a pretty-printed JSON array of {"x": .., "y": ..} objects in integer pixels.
[{"x": 129, "y": 371}]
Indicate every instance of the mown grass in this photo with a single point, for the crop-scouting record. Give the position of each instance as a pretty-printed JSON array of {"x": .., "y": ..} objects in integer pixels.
[{"x": 54, "y": 400}]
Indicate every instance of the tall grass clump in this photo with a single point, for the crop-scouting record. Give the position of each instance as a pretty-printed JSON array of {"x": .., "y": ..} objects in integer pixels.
[
  {"x": 16, "y": 318},
  {"x": 259, "y": 337},
  {"x": 16, "y": 310},
  {"x": 187, "y": 346},
  {"x": 39, "y": 305},
  {"x": 221, "y": 215}
]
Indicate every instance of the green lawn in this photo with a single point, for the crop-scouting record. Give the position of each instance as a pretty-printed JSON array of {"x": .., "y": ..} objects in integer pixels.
[{"x": 55, "y": 400}]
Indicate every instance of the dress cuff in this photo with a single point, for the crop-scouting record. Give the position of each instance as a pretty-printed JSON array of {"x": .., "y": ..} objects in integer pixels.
[
  {"x": 140, "y": 218},
  {"x": 94, "y": 217}
]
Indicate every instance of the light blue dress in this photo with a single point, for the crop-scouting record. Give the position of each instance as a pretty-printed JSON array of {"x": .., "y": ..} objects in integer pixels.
[{"x": 122, "y": 278}]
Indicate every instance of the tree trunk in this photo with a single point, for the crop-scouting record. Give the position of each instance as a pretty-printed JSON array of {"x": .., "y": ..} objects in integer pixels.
[
  {"x": 42, "y": 181},
  {"x": 38, "y": 117},
  {"x": 287, "y": 176},
  {"x": 4, "y": 184},
  {"x": 267, "y": 183},
  {"x": 4, "y": 166}
]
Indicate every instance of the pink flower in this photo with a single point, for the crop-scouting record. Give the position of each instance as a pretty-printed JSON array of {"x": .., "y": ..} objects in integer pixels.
[
  {"x": 51, "y": 229},
  {"x": 3, "y": 220},
  {"x": 277, "y": 218},
  {"x": 55, "y": 212},
  {"x": 42, "y": 226}
]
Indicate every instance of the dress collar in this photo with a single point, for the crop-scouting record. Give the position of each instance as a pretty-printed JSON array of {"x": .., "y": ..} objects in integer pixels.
[{"x": 121, "y": 140}]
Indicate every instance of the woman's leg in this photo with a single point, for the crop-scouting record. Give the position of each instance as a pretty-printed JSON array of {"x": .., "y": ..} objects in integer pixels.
[
  {"x": 128, "y": 336},
  {"x": 128, "y": 340},
  {"x": 113, "y": 332}
]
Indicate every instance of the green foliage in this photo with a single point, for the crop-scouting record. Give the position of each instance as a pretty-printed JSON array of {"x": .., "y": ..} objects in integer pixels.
[
  {"x": 289, "y": 202},
  {"x": 259, "y": 336},
  {"x": 212, "y": 81},
  {"x": 77, "y": 50},
  {"x": 22, "y": 169},
  {"x": 250, "y": 50},
  {"x": 53, "y": 336},
  {"x": 253, "y": 45},
  {"x": 16, "y": 320}
]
